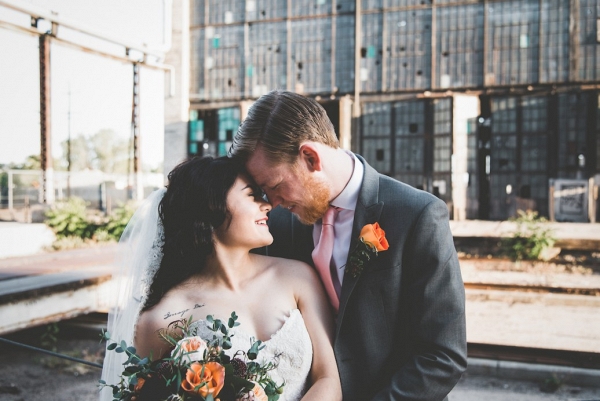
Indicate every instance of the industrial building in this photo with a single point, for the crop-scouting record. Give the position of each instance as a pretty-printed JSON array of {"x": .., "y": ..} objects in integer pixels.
[{"x": 482, "y": 102}]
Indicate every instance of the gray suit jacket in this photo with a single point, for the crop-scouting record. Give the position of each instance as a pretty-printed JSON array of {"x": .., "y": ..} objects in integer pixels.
[{"x": 400, "y": 331}]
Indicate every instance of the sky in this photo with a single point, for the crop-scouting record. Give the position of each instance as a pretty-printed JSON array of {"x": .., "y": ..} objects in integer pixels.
[{"x": 100, "y": 89}]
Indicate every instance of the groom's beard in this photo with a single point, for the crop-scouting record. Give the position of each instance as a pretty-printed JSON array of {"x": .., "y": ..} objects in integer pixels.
[{"x": 316, "y": 201}]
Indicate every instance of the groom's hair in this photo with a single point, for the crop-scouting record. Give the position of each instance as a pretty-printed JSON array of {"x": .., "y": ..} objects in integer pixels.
[
  {"x": 194, "y": 204},
  {"x": 278, "y": 123}
]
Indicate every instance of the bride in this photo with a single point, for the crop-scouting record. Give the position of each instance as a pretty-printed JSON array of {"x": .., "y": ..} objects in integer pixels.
[{"x": 190, "y": 256}]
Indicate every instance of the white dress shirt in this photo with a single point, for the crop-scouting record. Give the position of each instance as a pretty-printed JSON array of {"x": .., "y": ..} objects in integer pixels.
[{"x": 346, "y": 201}]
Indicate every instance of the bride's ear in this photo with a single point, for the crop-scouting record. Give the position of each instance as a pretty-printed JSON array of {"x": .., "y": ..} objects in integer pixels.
[{"x": 310, "y": 157}]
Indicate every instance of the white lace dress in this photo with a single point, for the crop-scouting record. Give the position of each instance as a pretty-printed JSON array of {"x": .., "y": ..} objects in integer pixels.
[{"x": 291, "y": 343}]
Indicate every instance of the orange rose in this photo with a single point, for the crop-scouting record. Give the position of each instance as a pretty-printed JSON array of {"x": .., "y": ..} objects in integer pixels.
[
  {"x": 190, "y": 349},
  {"x": 259, "y": 393},
  {"x": 139, "y": 384},
  {"x": 204, "y": 379},
  {"x": 374, "y": 235}
]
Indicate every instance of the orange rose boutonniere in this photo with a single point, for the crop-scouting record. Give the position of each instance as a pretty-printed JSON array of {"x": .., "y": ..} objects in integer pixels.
[{"x": 372, "y": 241}]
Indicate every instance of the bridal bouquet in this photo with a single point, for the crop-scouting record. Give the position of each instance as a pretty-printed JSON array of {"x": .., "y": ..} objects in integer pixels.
[{"x": 197, "y": 369}]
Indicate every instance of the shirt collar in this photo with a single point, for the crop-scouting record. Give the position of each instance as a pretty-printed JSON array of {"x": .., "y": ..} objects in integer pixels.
[{"x": 348, "y": 198}]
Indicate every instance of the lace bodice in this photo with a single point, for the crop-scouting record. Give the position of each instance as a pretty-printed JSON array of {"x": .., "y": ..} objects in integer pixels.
[{"x": 291, "y": 343}]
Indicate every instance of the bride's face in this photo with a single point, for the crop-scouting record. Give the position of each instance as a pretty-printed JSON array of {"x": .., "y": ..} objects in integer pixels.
[{"x": 248, "y": 217}]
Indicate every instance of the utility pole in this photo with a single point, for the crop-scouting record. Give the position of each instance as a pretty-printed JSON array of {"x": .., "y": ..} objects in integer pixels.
[
  {"x": 135, "y": 128},
  {"x": 45, "y": 123}
]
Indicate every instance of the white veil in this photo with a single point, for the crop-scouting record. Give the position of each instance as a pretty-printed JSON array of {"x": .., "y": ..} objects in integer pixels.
[{"x": 140, "y": 254}]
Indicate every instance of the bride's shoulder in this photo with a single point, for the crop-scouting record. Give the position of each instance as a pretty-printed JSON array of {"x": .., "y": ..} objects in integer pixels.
[{"x": 288, "y": 268}]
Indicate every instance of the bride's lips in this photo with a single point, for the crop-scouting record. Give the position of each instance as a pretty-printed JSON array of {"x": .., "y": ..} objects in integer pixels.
[{"x": 262, "y": 222}]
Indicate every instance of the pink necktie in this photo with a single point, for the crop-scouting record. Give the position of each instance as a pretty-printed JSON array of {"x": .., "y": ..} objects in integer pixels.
[{"x": 322, "y": 256}]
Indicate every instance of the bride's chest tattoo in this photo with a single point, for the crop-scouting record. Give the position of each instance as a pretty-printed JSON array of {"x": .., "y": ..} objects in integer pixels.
[{"x": 181, "y": 312}]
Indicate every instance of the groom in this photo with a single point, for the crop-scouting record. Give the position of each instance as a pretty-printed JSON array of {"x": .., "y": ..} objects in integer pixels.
[{"x": 400, "y": 328}]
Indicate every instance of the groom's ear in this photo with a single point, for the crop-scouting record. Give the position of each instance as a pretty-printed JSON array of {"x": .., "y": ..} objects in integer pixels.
[{"x": 310, "y": 157}]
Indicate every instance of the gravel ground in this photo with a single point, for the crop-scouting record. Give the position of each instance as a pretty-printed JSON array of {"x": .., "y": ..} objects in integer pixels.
[
  {"x": 26, "y": 375},
  {"x": 488, "y": 388}
]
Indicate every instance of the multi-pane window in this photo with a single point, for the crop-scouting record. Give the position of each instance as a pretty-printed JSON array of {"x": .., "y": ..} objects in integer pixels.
[
  {"x": 534, "y": 139},
  {"x": 554, "y": 40},
  {"x": 267, "y": 68},
  {"x": 409, "y": 131},
  {"x": 211, "y": 132},
  {"x": 459, "y": 50},
  {"x": 503, "y": 155},
  {"x": 376, "y": 131},
  {"x": 519, "y": 155},
  {"x": 229, "y": 121},
  {"x": 442, "y": 135},
  {"x": 504, "y": 136},
  {"x": 589, "y": 50},
  {"x": 513, "y": 46},
  {"x": 572, "y": 118},
  {"x": 408, "y": 49}
]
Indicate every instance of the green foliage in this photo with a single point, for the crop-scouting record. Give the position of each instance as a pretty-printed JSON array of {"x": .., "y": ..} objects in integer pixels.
[
  {"x": 69, "y": 219},
  {"x": 117, "y": 222},
  {"x": 530, "y": 239},
  {"x": 551, "y": 384},
  {"x": 49, "y": 339},
  {"x": 68, "y": 242},
  {"x": 75, "y": 227},
  {"x": 144, "y": 378}
]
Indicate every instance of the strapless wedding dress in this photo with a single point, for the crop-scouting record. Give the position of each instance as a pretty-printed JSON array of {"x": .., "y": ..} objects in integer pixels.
[{"x": 290, "y": 345}]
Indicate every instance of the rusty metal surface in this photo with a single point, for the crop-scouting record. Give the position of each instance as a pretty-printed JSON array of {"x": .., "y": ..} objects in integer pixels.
[{"x": 45, "y": 113}]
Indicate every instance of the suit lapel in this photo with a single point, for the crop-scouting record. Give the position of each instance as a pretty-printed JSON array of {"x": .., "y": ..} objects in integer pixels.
[{"x": 368, "y": 210}]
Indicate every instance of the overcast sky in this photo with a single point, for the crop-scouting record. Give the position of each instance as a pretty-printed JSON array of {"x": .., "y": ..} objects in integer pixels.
[{"x": 101, "y": 89}]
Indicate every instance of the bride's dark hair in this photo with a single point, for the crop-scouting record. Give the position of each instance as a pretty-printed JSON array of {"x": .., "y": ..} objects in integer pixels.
[{"x": 194, "y": 204}]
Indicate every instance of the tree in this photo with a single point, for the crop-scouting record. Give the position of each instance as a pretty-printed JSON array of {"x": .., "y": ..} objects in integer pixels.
[
  {"x": 111, "y": 154},
  {"x": 81, "y": 154},
  {"x": 104, "y": 151}
]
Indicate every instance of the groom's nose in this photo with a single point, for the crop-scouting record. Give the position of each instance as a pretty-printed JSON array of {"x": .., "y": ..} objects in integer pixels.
[{"x": 273, "y": 199}]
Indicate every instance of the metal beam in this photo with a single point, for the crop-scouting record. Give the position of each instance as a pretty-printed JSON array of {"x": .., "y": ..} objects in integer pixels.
[
  {"x": 37, "y": 12},
  {"x": 63, "y": 42},
  {"x": 45, "y": 121}
]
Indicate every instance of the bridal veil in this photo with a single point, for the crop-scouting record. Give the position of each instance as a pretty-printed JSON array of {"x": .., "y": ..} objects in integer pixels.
[{"x": 139, "y": 257}]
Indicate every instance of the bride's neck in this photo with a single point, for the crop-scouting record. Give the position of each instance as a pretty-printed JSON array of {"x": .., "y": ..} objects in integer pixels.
[{"x": 230, "y": 267}]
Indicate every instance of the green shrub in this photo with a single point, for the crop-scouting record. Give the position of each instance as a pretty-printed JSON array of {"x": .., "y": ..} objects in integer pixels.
[
  {"x": 118, "y": 220},
  {"x": 76, "y": 227},
  {"x": 531, "y": 237},
  {"x": 66, "y": 243},
  {"x": 69, "y": 219}
]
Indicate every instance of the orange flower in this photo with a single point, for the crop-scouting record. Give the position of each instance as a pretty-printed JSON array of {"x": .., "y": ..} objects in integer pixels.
[
  {"x": 374, "y": 235},
  {"x": 139, "y": 384},
  {"x": 190, "y": 349},
  {"x": 259, "y": 393},
  {"x": 204, "y": 379}
]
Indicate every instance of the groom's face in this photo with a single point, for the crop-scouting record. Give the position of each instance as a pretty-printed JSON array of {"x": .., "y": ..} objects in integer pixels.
[{"x": 290, "y": 185}]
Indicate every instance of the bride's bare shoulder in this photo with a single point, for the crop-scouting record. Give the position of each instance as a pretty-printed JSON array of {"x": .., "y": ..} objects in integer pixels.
[{"x": 288, "y": 268}]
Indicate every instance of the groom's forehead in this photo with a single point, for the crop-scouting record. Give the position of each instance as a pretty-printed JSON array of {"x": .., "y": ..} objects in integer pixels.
[{"x": 264, "y": 170}]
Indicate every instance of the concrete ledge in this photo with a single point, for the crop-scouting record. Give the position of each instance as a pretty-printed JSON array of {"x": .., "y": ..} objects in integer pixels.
[
  {"x": 55, "y": 307},
  {"x": 498, "y": 229},
  {"x": 533, "y": 372}
]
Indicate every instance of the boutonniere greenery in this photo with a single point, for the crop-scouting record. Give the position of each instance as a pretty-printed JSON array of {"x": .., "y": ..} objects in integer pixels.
[{"x": 371, "y": 241}]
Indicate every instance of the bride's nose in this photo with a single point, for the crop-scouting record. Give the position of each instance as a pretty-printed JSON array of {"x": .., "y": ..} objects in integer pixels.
[{"x": 265, "y": 206}]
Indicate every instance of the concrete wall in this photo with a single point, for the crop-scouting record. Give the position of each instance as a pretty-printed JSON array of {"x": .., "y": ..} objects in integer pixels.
[{"x": 20, "y": 239}]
